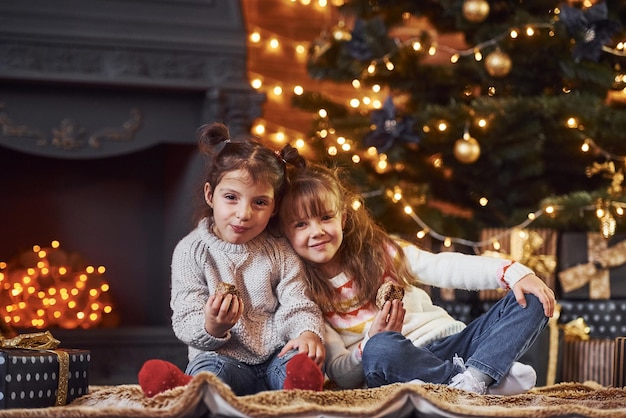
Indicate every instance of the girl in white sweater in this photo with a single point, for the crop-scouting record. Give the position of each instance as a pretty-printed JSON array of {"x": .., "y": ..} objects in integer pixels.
[
  {"x": 347, "y": 258},
  {"x": 248, "y": 336}
]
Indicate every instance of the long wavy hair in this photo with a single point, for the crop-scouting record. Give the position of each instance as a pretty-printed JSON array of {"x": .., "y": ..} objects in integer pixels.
[{"x": 367, "y": 252}]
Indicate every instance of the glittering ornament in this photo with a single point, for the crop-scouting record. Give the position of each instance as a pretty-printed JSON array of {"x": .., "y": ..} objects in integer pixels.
[
  {"x": 498, "y": 64},
  {"x": 590, "y": 28},
  {"x": 390, "y": 130},
  {"x": 475, "y": 11},
  {"x": 466, "y": 149}
]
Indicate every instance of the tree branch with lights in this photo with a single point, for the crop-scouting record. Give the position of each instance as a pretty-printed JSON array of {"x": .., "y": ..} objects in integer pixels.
[{"x": 510, "y": 123}]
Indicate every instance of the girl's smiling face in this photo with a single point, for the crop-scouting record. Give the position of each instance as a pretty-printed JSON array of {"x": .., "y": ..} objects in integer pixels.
[
  {"x": 317, "y": 236},
  {"x": 241, "y": 208}
]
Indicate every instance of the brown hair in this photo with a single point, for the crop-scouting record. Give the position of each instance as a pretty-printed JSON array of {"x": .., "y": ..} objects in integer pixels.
[{"x": 364, "y": 253}]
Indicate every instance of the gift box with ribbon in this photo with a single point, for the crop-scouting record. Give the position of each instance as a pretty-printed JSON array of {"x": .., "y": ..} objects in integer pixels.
[
  {"x": 36, "y": 373},
  {"x": 592, "y": 267},
  {"x": 536, "y": 248}
]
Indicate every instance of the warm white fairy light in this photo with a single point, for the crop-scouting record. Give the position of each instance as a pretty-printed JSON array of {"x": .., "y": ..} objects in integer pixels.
[
  {"x": 256, "y": 83},
  {"x": 46, "y": 296},
  {"x": 572, "y": 122},
  {"x": 255, "y": 37},
  {"x": 259, "y": 129}
]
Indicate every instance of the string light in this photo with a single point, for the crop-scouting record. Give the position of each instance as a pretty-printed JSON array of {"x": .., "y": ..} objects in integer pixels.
[
  {"x": 47, "y": 287},
  {"x": 529, "y": 30}
]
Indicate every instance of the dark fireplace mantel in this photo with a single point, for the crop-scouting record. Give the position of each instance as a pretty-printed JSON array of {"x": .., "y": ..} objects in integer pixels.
[
  {"x": 99, "y": 105},
  {"x": 91, "y": 78}
]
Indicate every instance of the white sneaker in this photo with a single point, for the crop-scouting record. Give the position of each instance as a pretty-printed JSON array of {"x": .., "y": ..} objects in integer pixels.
[
  {"x": 520, "y": 379},
  {"x": 465, "y": 380}
]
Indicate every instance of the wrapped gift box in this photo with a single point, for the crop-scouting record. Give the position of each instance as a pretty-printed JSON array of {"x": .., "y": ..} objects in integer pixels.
[
  {"x": 536, "y": 248},
  {"x": 619, "y": 374},
  {"x": 588, "y": 360},
  {"x": 605, "y": 318},
  {"x": 33, "y": 378},
  {"x": 592, "y": 267}
]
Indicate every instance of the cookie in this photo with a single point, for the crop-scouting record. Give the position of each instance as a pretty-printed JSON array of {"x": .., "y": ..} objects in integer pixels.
[
  {"x": 226, "y": 288},
  {"x": 388, "y": 291}
]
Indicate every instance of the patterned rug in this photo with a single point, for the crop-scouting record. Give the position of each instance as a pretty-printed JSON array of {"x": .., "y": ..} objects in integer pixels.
[{"x": 206, "y": 396}]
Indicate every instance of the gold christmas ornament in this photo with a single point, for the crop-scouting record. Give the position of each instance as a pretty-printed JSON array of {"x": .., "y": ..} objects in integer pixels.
[
  {"x": 466, "y": 149},
  {"x": 475, "y": 11},
  {"x": 498, "y": 64}
]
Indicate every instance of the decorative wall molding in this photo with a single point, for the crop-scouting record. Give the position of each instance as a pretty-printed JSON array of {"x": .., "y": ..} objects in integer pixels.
[{"x": 70, "y": 135}]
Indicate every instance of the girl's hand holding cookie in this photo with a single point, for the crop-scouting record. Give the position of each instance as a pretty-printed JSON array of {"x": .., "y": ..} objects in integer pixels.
[{"x": 222, "y": 310}]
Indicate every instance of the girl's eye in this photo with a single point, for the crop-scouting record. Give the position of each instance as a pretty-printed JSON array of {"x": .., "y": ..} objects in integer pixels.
[
  {"x": 261, "y": 203},
  {"x": 230, "y": 197},
  {"x": 299, "y": 224},
  {"x": 327, "y": 217}
]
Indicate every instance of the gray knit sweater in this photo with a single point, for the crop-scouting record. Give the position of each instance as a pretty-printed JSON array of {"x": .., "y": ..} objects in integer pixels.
[{"x": 270, "y": 280}]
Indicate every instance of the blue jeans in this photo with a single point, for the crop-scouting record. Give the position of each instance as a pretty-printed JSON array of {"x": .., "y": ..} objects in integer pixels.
[
  {"x": 490, "y": 343},
  {"x": 243, "y": 379}
]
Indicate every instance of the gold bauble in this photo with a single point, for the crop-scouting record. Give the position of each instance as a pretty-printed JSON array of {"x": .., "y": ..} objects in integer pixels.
[
  {"x": 498, "y": 64},
  {"x": 466, "y": 150},
  {"x": 475, "y": 10}
]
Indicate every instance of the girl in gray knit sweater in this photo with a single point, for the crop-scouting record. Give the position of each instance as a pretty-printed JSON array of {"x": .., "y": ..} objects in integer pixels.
[{"x": 265, "y": 333}]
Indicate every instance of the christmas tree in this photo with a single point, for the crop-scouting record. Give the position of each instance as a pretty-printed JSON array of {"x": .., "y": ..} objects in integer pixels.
[{"x": 477, "y": 113}]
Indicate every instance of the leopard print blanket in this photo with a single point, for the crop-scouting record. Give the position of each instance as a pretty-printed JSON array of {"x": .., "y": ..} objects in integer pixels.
[{"x": 206, "y": 396}]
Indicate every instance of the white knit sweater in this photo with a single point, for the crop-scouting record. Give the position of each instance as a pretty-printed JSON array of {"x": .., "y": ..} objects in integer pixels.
[
  {"x": 424, "y": 322},
  {"x": 270, "y": 280}
]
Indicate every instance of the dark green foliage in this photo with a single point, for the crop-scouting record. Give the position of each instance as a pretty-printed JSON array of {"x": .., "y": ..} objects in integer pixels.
[{"x": 529, "y": 156}]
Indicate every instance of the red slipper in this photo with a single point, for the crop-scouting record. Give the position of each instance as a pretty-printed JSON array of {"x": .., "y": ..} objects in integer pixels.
[{"x": 157, "y": 376}]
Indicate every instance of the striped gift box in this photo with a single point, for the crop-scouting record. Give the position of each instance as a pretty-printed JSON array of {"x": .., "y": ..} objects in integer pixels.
[{"x": 588, "y": 360}]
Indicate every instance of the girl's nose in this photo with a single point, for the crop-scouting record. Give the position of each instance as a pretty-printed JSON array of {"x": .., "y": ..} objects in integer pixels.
[
  {"x": 317, "y": 230},
  {"x": 243, "y": 212}
]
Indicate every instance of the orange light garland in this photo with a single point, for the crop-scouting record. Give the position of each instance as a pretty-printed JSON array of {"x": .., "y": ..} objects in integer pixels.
[{"x": 47, "y": 287}]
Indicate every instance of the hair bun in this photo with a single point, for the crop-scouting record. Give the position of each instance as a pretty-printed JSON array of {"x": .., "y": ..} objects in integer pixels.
[{"x": 214, "y": 133}]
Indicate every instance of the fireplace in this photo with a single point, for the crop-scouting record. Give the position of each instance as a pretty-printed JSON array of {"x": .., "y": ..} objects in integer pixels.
[{"x": 99, "y": 105}]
